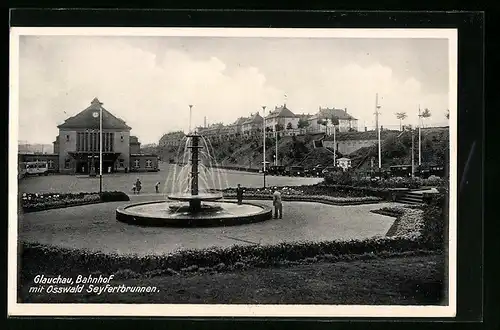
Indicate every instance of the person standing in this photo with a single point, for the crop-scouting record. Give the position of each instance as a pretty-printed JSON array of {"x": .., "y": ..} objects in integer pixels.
[
  {"x": 239, "y": 194},
  {"x": 278, "y": 206},
  {"x": 157, "y": 187},
  {"x": 138, "y": 185}
]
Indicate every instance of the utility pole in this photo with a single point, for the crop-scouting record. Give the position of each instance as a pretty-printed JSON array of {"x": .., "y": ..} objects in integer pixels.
[
  {"x": 419, "y": 137},
  {"x": 377, "y": 107},
  {"x": 412, "y": 153},
  {"x": 264, "y": 143},
  {"x": 334, "y": 147}
]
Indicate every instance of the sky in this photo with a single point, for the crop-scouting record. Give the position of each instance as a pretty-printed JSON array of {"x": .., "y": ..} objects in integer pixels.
[{"x": 150, "y": 81}]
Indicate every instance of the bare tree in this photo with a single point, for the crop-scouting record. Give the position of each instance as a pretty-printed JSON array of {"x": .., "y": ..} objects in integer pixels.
[{"x": 401, "y": 116}]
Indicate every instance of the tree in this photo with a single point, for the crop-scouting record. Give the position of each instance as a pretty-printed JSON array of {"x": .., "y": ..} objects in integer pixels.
[
  {"x": 426, "y": 113},
  {"x": 303, "y": 123},
  {"x": 289, "y": 126},
  {"x": 401, "y": 116},
  {"x": 447, "y": 115}
]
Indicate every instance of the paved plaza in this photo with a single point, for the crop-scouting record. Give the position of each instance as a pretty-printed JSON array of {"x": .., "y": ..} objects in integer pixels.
[
  {"x": 94, "y": 227},
  {"x": 123, "y": 182}
]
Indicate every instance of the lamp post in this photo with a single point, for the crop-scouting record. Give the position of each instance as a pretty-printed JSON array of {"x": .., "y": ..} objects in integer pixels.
[
  {"x": 190, "y": 111},
  {"x": 264, "y": 143},
  {"x": 377, "y": 112},
  {"x": 419, "y": 136},
  {"x": 276, "y": 136}
]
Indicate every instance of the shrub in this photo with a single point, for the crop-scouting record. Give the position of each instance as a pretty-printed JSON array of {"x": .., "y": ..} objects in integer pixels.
[
  {"x": 114, "y": 196},
  {"x": 35, "y": 257},
  {"x": 435, "y": 216}
]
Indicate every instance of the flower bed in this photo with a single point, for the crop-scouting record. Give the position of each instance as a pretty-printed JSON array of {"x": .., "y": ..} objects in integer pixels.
[
  {"x": 348, "y": 179},
  {"x": 33, "y": 202},
  {"x": 68, "y": 261},
  {"x": 311, "y": 198},
  {"x": 409, "y": 221}
]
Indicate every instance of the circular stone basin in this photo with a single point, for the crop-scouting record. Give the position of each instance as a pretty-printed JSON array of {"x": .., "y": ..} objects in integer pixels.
[
  {"x": 164, "y": 213},
  {"x": 199, "y": 197}
]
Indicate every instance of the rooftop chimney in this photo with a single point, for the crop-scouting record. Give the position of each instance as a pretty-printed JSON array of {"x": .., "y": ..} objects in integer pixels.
[{"x": 345, "y": 110}]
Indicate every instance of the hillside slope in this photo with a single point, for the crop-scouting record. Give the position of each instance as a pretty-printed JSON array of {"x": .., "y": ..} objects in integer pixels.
[{"x": 292, "y": 150}]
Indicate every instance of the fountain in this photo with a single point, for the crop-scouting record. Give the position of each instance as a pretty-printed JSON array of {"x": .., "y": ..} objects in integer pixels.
[{"x": 188, "y": 205}]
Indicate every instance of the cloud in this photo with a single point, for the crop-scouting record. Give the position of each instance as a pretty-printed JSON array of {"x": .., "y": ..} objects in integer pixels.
[{"x": 151, "y": 90}]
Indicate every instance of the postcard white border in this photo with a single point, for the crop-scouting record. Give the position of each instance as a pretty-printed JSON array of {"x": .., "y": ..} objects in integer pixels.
[{"x": 192, "y": 310}]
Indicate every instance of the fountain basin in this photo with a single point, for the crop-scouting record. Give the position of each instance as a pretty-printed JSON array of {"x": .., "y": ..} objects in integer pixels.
[
  {"x": 164, "y": 213},
  {"x": 199, "y": 197}
]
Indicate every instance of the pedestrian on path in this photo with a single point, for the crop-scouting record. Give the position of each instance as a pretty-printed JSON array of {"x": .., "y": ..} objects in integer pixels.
[
  {"x": 138, "y": 186},
  {"x": 239, "y": 194},
  {"x": 157, "y": 187},
  {"x": 134, "y": 188},
  {"x": 278, "y": 206}
]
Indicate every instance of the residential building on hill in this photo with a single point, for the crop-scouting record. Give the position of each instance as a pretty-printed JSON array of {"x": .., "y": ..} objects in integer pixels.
[
  {"x": 346, "y": 121},
  {"x": 283, "y": 117},
  {"x": 252, "y": 125},
  {"x": 171, "y": 139},
  {"x": 76, "y": 148}
]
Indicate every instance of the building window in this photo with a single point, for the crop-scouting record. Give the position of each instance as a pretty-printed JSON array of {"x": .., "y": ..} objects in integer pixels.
[
  {"x": 67, "y": 137},
  {"x": 136, "y": 163},
  {"x": 121, "y": 138},
  {"x": 149, "y": 163},
  {"x": 67, "y": 164},
  {"x": 122, "y": 163}
]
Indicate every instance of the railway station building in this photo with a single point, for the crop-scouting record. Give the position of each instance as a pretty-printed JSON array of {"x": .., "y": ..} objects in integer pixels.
[{"x": 76, "y": 148}]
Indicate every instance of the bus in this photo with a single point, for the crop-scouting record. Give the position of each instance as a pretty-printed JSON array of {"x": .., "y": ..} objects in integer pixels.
[
  {"x": 37, "y": 168},
  {"x": 21, "y": 170}
]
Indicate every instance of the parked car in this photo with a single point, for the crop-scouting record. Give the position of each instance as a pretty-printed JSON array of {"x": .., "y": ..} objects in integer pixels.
[
  {"x": 296, "y": 171},
  {"x": 330, "y": 169},
  {"x": 276, "y": 170},
  {"x": 317, "y": 171}
]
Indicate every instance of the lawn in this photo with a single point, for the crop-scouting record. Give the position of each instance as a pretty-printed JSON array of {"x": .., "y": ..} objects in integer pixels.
[{"x": 404, "y": 280}]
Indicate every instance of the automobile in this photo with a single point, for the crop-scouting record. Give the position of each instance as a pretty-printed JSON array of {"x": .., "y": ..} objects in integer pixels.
[
  {"x": 400, "y": 170},
  {"x": 330, "y": 169},
  {"x": 296, "y": 171},
  {"x": 317, "y": 171},
  {"x": 276, "y": 170}
]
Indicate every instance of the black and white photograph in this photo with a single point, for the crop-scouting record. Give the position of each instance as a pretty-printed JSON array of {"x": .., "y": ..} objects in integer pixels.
[{"x": 232, "y": 172}]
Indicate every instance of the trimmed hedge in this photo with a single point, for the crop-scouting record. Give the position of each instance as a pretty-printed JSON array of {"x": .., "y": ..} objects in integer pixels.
[
  {"x": 34, "y": 202},
  {"x": 58, "y": 260},
  {"x": 435, "y": 219}
]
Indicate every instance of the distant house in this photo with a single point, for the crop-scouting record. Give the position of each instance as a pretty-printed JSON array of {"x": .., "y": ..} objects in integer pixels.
[
  {"x": 346, "y": 121},
  {"x": 344, "y": 163},
  {"x": 283, "y": 117},
  {"x": 252, "y": 124}
]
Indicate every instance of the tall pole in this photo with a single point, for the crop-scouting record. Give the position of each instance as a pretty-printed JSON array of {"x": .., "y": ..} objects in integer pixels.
[
  {"x": 377, "y": 107},
  {"x": 412, "y": 153},
  {"x": 334, "y": 147},
  {"x": 100, "y": 150},
  {"x": 190, "y": 111},
  {"x": 276, "y": 136},
  {"x": 264, "y": 143},
  {"x": 419, "y": 137}
]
